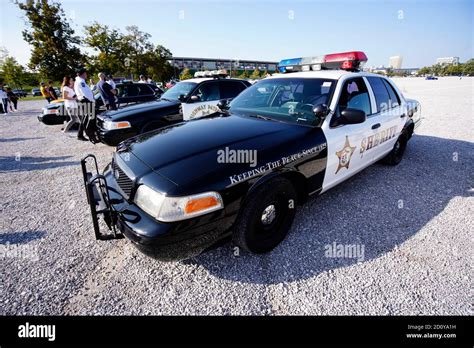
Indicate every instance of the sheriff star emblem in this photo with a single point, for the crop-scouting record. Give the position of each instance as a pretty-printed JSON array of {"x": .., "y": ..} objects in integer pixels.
[{"x": 345, "y": 155}]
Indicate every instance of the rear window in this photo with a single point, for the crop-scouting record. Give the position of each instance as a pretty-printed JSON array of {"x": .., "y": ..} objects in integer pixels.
[
  {"x": 394, "y": 98},
  {"x": 382, "y": 97}
]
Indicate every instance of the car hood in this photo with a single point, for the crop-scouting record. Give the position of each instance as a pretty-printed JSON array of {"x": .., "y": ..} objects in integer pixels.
[
  {"x": 141, "y": 107},
  {"x": 188, "y": 152}
]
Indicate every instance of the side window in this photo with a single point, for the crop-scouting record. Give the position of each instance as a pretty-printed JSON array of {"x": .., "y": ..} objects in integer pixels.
[
  {"x": 394, "y": 98},
  {"x": 230, "y": 89},
  {"x": 132, "y": 90},
  {"x": 382, "y": 97},
  {"x": 354, "y": 95},
  {"x": 144, "y": 90},
  {"x": 208, "y": 91}
]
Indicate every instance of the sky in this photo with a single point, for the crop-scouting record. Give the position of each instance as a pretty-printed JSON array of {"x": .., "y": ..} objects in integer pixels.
[{"x": 419, "y": 31}]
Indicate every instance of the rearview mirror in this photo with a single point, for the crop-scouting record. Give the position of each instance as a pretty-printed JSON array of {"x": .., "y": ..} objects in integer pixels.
[
  {"x": 223, "y": 104},
  {"x": 352, "y": 116}
]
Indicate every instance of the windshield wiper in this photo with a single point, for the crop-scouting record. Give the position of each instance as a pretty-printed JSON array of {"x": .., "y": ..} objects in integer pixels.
[{"x": 262, "y": 117}]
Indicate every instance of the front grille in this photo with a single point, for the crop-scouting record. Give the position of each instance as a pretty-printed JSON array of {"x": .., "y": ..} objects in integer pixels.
[{"x": 123, "y": 181}]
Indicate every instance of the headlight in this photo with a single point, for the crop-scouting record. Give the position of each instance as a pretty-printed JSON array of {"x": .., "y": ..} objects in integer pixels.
[
  {"x": 50, "y": 111},
  {"x": 168, "y": 209},
  {"x": 109, "y": 125}
]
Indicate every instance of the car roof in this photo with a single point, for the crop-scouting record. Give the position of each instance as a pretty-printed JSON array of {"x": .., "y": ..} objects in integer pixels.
[
  {"x": 327, "y": 74},
  {"x": 202, "y": 79}
]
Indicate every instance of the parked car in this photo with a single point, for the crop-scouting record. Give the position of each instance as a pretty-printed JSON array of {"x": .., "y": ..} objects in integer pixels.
[
  {"x": 36, "y": 92},
  {"x": 20, "y": 92},
  {"x": 127, "y": 94},
  {"x": 186, "y": 100},
  {"x": 431, "y": 77}
]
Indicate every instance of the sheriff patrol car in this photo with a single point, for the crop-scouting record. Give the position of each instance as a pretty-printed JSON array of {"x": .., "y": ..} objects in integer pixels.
[{"x": 179, "y": 190}]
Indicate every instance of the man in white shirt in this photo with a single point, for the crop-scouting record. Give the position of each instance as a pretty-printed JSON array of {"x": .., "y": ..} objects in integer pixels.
[
  {"x": 142, "y": 79},
  {"x": 86, "y": 98}
]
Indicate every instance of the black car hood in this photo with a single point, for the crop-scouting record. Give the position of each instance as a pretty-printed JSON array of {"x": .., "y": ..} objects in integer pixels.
[
  {"x": 188, "y": 151},
  {"x": 142, "y": 107}
]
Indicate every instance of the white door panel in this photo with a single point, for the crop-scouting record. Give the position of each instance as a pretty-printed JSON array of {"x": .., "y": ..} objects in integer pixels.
[
  {"x": 196, "y": 110},
  {"x": 343, "y": 153}
]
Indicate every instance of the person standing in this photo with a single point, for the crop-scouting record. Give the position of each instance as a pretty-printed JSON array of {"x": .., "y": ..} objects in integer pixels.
[
  {"x": 3, "y": 99},
  {"x": 70, "y": 102},
  {"x": 142, "y": 79},
  {"x": 12, "y": 99},
  {"x": 86, "y": 98},
  {"x": 111, "y": 82},
  {"x": 107, "y": 92},
  {"x": 51, "y": 90},
  {"x": 45, "y": 92}
]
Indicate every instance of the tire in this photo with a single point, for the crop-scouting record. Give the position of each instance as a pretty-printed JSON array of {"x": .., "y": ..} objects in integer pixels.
[
  {"x": 396, "y": 155},
  {"x": 152, "y": 126},
  {"x": 266, "y": 216}
]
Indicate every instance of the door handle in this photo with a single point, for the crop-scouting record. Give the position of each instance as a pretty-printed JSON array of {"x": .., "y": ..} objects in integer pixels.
[
  {"x": 375, "y": 126},
  {"x": 403, "y": 115}
]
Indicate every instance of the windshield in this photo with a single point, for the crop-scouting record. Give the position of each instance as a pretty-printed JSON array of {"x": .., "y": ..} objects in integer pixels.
[
  {"x": 181, "y": 88},
  {"x": 285, "y": 99}
]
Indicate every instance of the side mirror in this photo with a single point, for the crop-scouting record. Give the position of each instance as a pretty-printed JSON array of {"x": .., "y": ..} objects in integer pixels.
[
  {"x": 320, "y": 111},
  {"x": 352, "y": 116},
  {"x": 195, "y": 99},
  {"x": 223, "y": 104},
  {"x": 182, "y": 98}
]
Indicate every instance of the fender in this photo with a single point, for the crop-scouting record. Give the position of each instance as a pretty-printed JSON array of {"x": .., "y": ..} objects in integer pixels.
[{"x": 298, "y": 180}]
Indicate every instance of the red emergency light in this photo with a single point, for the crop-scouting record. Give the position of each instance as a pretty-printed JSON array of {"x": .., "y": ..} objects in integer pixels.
[
  {"x": 352, "y": 61},
  {"x": 347, "y": 60}
]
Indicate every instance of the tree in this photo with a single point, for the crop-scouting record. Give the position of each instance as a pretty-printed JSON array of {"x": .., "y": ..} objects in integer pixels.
[
  {"x": 13, "y": 73},
  {"x": 109, "y": 45},
  {"x": 255, "y": 75},
  {"x": 468, "y": 67},
  {"x": 54, "y": 52},
  {"x": 157, "y": 64},
  {"x": 185, "y": 75},
  {"x": 244, "y": 75},
  {"x": 136, "y": 45}
]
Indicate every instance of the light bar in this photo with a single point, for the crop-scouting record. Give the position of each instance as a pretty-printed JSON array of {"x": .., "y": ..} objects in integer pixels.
[
  {"x": 213, "y": 73},
  {"x": 352, "y": 61}
]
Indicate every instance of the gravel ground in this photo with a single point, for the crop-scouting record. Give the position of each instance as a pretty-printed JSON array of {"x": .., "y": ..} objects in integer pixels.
[{"x": 412, "y": 220}]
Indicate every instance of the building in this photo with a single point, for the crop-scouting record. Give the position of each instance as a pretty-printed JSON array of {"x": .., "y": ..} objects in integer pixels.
[
  {"x": 395, "y": 62},
  {"x": 199, "y": 64},
  {"x": 448, "y": 61}
]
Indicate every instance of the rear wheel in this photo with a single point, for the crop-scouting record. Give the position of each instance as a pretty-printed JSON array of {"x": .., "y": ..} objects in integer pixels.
[
  {"x": 266, "y": 216},
  {"x": 396, "y": 155}
]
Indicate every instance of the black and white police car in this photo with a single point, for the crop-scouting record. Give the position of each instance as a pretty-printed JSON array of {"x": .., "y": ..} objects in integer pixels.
[
  {"x": 241, "y": 171},
  {"x": 186, "y": 100}
]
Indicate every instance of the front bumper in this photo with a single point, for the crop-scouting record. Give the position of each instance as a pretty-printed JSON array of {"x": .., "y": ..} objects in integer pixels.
[
  {"x": 163, "y": 241},
  {"x": 116, "y": 136},
  {"x": 52, "y": 119}
]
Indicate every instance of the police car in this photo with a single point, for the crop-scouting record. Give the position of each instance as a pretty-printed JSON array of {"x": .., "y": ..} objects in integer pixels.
[
  {"x": 186, "y": 100},
  {"x": 128, "y": 93},
  {"x": 242, "y": 171}
]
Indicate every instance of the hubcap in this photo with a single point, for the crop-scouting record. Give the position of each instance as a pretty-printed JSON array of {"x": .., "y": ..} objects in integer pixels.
[{"x": 268, "y": 215}]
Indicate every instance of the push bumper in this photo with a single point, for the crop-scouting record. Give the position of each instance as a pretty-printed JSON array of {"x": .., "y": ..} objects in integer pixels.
[{"x": 163, "y": 241}]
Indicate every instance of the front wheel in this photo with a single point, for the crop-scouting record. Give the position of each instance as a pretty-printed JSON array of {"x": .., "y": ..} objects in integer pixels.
[
  {"x": 266, "y": 216},
  {"x": 395, "y": 156}
]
